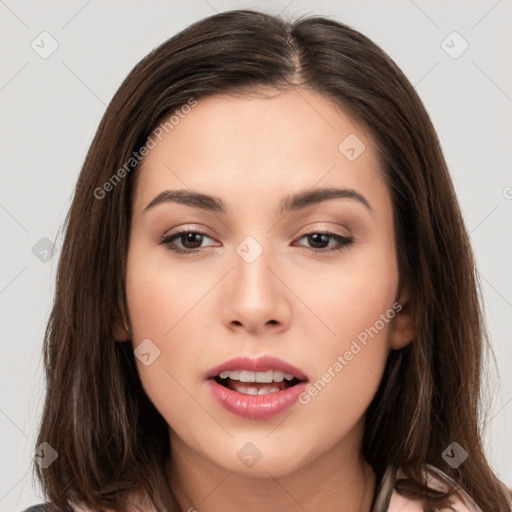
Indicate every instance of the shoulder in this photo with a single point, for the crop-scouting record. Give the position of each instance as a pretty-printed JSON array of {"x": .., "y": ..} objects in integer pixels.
[
  {"x": 43, "y": 507},
  {"x": 461, "y": 502},
  {"x": 402, "y": 504},
  {"x": 139, "y": 502},
  {"x": 399, "y": 503}
]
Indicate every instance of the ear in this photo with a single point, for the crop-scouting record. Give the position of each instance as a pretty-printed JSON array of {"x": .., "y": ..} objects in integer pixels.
[
  {"x": 120, "y": 328},
  {"x": 401, "y": 326}
]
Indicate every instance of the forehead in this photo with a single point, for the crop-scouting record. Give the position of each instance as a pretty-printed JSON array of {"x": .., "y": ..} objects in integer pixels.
[{"x": 245, "y": 147}]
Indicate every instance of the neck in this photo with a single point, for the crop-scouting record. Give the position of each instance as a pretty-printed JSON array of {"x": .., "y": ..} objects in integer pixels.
[{"x": 337, "y": 481}]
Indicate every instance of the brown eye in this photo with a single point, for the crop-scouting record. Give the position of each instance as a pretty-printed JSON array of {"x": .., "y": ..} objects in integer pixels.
[
  {"x": 190, "y": 241},
  {"x": 320, "y": 240}
]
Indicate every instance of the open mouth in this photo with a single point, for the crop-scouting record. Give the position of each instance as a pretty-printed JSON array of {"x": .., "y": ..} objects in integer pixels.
[
  {"x": 256, "y": 389},
  {"x": 256, "y": 383}
]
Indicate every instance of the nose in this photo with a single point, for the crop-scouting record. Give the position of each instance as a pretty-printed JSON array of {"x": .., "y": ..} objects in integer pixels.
[{"x": 255, "y": 298}]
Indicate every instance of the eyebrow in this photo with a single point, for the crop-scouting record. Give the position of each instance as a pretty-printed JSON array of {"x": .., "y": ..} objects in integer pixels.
[{"x": 290, "y": 203}]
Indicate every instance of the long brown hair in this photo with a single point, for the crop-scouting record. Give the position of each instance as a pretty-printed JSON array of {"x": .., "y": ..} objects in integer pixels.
[{"x": 110, "y": 439}]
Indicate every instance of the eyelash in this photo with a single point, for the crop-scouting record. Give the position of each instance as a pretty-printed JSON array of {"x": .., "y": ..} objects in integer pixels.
[{"x": 168, "y": 240}]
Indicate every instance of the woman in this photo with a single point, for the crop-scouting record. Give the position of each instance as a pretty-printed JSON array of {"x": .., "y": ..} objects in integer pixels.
[{"x": 257, "y": 372}]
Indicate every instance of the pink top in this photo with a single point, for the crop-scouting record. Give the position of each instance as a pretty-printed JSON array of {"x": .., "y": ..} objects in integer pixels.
[
  {"x": 436, "y": 479},
  {"x": 399, "y": 503}
]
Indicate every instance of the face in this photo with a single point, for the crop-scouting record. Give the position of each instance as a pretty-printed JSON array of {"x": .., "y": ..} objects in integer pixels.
[{"x": 311, "y": 282}]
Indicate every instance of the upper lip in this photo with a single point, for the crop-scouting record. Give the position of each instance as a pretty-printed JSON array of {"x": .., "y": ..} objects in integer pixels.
[{"x": 260, "y": 364}]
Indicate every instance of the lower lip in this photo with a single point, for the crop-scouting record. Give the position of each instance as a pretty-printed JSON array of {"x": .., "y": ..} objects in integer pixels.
[{"x": 256, "y": 407}]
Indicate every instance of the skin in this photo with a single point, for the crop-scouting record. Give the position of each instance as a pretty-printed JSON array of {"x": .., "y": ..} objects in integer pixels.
[{"x": 296, "y": 304}]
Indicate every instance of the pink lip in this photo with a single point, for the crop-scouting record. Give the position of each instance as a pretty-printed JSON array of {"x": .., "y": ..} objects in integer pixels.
[
  {"x": 256, "y": 407},
  {"x": 261, "y": 364}
]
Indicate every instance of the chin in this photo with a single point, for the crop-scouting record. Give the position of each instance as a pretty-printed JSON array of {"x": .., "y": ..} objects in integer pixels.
[{"x": 259, "y": 458}]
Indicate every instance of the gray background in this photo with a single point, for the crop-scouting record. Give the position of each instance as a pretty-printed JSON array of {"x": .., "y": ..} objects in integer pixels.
[{"x": 50, "y": 109}]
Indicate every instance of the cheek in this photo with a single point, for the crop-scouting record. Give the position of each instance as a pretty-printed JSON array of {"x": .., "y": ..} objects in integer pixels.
[
  {"x": 350, "y": 298},
  {"x": 356, "y": 308},
  {"x": 158, "y": 295},
  {"x": 160, "y": 304},
  {"x": 349, "y": 368}
]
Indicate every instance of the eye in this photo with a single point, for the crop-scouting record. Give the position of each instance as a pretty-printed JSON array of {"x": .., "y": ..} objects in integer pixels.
[
  {"x": 190, "y": 241},
  {"x": 319, "y": 239}
]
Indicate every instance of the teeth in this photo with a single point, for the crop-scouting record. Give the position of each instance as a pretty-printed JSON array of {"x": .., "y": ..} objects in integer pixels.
[
  {"x": 254, "y": 391},
  {"x": 278, "y": 376},
  {"x": 246, "y": 376},
  {"x": 231, "y": 375},
  {"x": 264, "y": 377}
]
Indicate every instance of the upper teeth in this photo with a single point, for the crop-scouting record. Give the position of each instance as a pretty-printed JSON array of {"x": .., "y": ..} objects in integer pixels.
[{"x": 246, "y": 376}]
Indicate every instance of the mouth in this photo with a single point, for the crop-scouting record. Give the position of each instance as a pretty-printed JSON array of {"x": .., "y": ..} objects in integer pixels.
[
  {"x": 257, "y": 389},
  {"x": 257, "y": 383}
]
